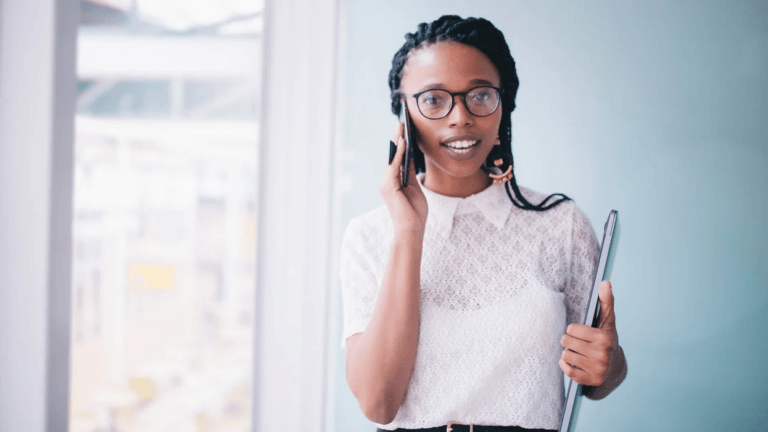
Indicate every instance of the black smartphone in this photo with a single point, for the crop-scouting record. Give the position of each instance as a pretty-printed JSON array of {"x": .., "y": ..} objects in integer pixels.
[{"x": 407, "y": 126}]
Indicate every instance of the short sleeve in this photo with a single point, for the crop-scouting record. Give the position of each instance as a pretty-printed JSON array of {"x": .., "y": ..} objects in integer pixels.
[
  {"x": 584, "y": 255},
  {"x": 359, "y": 287}
]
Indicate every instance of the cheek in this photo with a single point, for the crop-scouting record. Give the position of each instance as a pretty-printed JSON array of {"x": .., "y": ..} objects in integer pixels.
[
  {"x": 496, "y": 121},
  {"x": 491, "y": 128},
  {"x": 424, "y": 134}
]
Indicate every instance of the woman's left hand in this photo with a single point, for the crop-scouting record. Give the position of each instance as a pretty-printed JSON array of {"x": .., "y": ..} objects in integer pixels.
[{"x": 589, "y": 352}]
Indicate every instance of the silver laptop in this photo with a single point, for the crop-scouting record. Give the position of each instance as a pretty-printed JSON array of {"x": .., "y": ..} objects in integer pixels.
[{"x": 604, "y": 265}]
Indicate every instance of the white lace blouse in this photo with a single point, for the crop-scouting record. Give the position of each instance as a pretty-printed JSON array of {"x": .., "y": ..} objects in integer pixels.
[{"x": 498, "y": 287}]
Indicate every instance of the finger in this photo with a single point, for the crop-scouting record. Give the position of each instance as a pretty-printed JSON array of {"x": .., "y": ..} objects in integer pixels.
[
  {"x": 574, "y": 344},
  {"x": 597, "y": 353},
  {"x": 596, "y": 368},
  {"x": 580, "y": 376},
  {"x": 580, "y": 331},
  {"x": 575, "y": 359},
  {"x": 398, "y": 132},
  {"x": 596, "y": 362},
  {"x": 607, "y": 317},
  {"x": 393, "y": 170},
  {"x": 597, "y": 336}
]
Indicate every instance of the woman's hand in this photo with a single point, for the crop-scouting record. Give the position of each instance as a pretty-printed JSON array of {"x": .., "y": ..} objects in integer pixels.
[
  {"x": 592, "y": 356},
  {"x": 407, "y": 206}
]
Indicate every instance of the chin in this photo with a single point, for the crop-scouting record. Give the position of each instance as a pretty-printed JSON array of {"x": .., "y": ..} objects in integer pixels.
[{"x": 465, "y": 170}]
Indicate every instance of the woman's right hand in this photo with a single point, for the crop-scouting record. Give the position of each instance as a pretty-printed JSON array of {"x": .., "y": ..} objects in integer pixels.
[{"x": 407, "y": 206}]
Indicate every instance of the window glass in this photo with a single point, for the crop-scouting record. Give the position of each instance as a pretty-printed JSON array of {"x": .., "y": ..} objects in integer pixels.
[{"x": 164, "y": 227}]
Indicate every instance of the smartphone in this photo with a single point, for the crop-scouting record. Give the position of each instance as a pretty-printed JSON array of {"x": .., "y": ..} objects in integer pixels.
[{"x": 407, "y": 126}]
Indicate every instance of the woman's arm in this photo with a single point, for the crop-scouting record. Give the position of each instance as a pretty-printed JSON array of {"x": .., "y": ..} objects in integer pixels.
[{"x": 380, "y": 360}]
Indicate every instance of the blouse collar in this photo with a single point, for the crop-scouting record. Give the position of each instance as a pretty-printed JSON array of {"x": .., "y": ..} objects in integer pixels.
[{"x": 492, "y": 202}]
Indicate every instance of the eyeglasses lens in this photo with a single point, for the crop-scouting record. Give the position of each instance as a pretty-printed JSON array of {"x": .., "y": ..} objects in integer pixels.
[
  {"x": 435, "y": 103},
  {"x": 480, "y": 101}
]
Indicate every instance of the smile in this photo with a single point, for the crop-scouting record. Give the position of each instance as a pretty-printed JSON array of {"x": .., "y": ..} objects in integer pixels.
[{"x": 461, "y": 147}]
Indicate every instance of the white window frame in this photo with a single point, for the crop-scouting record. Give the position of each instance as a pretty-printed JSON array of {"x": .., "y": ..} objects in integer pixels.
[
  {"x": 37, "y": 106},
  {"x": 295, "y": 215}
]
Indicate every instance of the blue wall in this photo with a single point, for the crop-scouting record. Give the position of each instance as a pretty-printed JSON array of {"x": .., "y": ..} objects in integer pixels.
[{"x": 652, "y": 108}]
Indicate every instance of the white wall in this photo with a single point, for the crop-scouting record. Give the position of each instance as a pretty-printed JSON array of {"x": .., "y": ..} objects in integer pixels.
[{"x": 37, "y": 96}]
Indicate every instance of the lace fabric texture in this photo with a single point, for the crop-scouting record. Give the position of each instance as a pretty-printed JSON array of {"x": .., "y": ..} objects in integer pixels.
[{"x": 498, "y": 287}]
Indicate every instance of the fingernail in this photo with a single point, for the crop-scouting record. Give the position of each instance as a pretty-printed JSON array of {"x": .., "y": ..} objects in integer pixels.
[{"x": 392, "y": 151}]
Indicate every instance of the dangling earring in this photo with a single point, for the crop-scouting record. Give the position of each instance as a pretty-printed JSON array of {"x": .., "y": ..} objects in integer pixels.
[
  {"x": 500, "y": 160},
  {"x": 504, "y": 176}
]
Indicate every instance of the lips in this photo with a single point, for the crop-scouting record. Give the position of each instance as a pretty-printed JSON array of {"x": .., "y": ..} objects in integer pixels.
[{"x": 461, "y": 147}]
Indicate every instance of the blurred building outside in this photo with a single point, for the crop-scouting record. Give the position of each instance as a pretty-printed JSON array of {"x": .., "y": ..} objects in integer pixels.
[{"x": 163, "y": 280}]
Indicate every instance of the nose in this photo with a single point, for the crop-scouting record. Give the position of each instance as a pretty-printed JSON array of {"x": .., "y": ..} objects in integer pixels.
[{"x": 459, "y": 115}]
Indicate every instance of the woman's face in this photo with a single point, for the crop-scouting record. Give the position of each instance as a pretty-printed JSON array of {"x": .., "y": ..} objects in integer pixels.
[{"x": 454, "y": 67}]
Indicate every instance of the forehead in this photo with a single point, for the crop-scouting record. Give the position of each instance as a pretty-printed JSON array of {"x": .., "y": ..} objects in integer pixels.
[{"x": 449, "y": 65}]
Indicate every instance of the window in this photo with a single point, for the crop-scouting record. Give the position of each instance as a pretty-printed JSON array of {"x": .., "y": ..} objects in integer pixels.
[{"x": 164, "y": 223}]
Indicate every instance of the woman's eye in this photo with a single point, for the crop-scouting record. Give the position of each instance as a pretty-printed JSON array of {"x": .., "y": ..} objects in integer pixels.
[
  {"x": 432, "y": 99},
  {"x": 482, "y": 96}
]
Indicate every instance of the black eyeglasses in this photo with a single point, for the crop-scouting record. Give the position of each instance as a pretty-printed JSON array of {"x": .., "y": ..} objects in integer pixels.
[{"x": 437, "y": 103}]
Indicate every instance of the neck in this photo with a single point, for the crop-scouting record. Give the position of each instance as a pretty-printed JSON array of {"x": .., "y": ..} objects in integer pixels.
[{"x": 441, "y": 183}]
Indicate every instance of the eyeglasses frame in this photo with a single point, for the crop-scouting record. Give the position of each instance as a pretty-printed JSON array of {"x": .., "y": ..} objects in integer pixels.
[{"x": 453, "y": 96}]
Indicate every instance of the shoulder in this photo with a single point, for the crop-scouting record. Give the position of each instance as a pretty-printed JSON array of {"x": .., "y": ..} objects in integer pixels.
[
  {"x": 368, "y": 227},
  {"x": 565, "y": 219},
  {"x": 567, "y": 211}
]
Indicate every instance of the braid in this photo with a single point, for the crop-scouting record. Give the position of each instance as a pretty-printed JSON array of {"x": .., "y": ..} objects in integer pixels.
[{"x": 481, "y": 34}]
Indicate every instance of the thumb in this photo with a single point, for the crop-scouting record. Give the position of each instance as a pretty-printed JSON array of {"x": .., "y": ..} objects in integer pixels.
[{"x": 607, "y": 316}]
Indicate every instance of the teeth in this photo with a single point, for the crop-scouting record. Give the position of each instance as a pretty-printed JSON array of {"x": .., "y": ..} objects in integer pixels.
[{"x": 461, "y": 144}]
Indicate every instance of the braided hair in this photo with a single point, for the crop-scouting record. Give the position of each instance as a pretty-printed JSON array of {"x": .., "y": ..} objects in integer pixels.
[{"x": 481, "y": 34}]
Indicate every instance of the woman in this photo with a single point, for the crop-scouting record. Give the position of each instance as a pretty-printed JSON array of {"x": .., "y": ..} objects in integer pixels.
[{"x": 460, "y": 295}]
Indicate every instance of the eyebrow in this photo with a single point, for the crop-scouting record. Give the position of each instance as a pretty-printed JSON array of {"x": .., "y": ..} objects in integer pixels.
[{"x": 433, "y": 86}]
